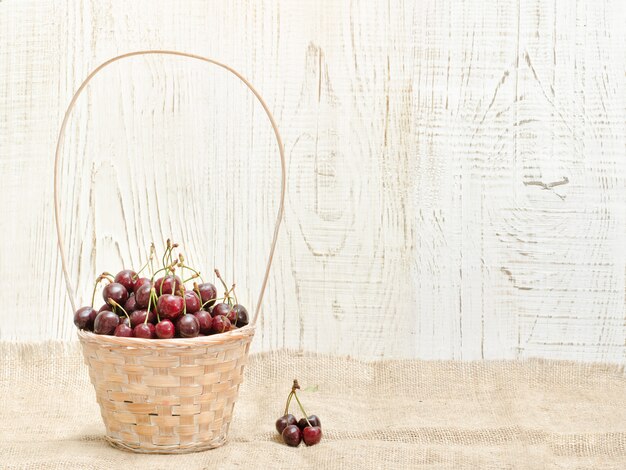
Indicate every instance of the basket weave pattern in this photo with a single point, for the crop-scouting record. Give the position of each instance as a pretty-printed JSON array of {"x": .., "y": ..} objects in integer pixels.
[{"x": 167, "y": 396}]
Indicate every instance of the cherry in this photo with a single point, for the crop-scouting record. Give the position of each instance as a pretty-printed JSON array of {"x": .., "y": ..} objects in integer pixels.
[
  {"x": 232, "y": 317},
  {"x": 125, "y": 321},
  {"x": 123, "y": 330},
  {"x": 165, "y": 329},
  {"x": 314, "y": 420},
  {"x": 142, "y": 295},
  {"x": 224, "y": 309},
  {"x": 139, "y": 316},
  {"x": 192, "y": 301},
  {"x": 188, "y": 326},
  {"x": 142, "y": 281},
  {"x": 84, "y": 318},
  {"x": 204, "y": 321},
  {"x": 168, "y": 285},
  {"x": 131, "y": 304},
  {"x": 292, "y": 435},
  {"x": 241, "y": 313},
  {"x": 105, "y": 323},
  {"x": 144, "y": 330},
  {"x": 311, "y": 435},
  {"x": 116, "y": 292},
  {"x": 127, "y": 278},
  {"x": 284, "y": 421},
  {"x": 220, "y": 324},
  {"x": 208, "y": 293},
  {"x": 105, "y": 307},
  {"x": 170, "y": 306}
]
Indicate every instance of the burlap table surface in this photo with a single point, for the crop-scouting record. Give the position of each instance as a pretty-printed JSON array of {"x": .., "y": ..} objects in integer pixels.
[{"x": 386, "y": 414}]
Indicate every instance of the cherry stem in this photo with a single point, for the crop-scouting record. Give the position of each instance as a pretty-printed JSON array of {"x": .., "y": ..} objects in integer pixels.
[
  {"x": 181, "y": 265},
  {"x": 95, "y": 287},
  {"x": 196, "y": 273},
  {"x": 195, "y": 276},
  {"x": 182, "y": 294},
  {"x": 169, "y": 255},
  {"x": 219, "y": 276},
  {"x": 227, "y": 297},
  {"x": 302, "y": 408},
  {"x": 152, "y": 292},
  {"x": 157, "y": 310},
  {"x": 289, "y": 397},
  {"x": 230, "y": 298},
  {"x": 152, "y": 257},
  {"x": 149, "y": 261},
  {"x": 162, "y": 269},
  {"x": 235, "y": 294},
  {"x": 168, "y": 247},
  {"x": 115, "y": 304},
  {"x": 213, "y": 300}
]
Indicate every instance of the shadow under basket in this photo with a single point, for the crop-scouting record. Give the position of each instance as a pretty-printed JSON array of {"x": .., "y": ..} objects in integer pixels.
[{"x": 167, "y": 396}]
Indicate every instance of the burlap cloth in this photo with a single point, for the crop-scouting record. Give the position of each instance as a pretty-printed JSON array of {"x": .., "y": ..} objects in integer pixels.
[{"x": 389, "y": 414}]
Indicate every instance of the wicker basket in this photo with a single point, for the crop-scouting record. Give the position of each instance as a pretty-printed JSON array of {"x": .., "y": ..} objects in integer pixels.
[{"x": 175, "y": 395}]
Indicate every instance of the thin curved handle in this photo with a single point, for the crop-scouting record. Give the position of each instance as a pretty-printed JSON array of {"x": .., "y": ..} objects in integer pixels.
[{"x": 281, "y": 150}]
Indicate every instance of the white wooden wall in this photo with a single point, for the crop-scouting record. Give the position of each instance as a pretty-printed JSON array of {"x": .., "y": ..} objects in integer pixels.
[{"x": 457, "y": 169}]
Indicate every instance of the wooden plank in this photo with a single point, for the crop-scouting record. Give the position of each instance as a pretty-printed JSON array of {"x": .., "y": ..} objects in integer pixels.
[
  {"x": 456, "y": 169},
  {"x": 566, "y": 259}
]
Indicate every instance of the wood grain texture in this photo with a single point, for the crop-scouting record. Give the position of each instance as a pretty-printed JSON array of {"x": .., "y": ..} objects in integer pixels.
[{"x": 456, "y": 169}]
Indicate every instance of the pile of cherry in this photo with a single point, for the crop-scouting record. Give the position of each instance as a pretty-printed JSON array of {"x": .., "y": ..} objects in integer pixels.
[
  {"x": 161, "y": 306},
  {"x": 293, "y": 431}
]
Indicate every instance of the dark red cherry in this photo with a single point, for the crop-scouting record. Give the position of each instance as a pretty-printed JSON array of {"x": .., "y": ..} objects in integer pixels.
[
  {"x": 142, "y": 296},
  {"x": 84, "y": 318},
  {"x": 204, "y": 321},
  {"x": 131, "y": 304},
  {"x": 223, "y": 309},
  {"x": 106, "y": 307},
  {"x": 314, "y": 420},
  {"x": 192, "y": 301},
  {"x": 284, "y": 421},
  {"x": 142, "y": 281},
  {"x": 170, "y": 306},
  {"x": 116, "y": 292},
  {"x": 312, "y": 435},
  {"x": 145, "y": 330},
  {"x": 123, "y": 330},
  {"x": 127, "y": 278},
  {"x": 242, "y": 315},
  {"x": 220, "y": 324},
  {"x": 232, "y": 317},
  {"x": 188, "y": 326},
  {"x": 292, "y": 435},
  {"x": 139, "y": 316},
  {"x": 168, "y": 285},
  {"x": 165, "y": 329},
  {"x": 208, "y": 293},
  {"x": 105, "y": 323},
  {"x": 124, "y": 320}
]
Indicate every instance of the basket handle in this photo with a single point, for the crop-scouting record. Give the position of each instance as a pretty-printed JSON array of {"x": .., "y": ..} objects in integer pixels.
[{"x": 61, "y": 139}]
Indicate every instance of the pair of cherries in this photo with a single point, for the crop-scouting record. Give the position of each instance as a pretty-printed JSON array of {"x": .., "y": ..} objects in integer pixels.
[{"x": 307, "y": 429}]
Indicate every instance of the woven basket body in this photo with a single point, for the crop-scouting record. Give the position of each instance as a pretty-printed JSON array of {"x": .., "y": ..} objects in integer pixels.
[{"x": 167, "y": 396}]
